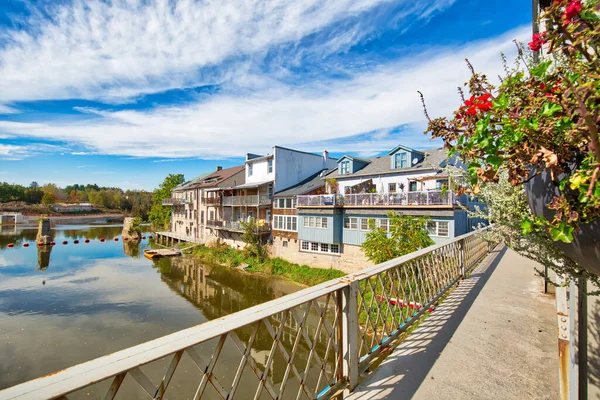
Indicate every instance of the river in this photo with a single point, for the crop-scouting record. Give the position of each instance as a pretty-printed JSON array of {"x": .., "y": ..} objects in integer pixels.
[{"x": 66, "y": 304}]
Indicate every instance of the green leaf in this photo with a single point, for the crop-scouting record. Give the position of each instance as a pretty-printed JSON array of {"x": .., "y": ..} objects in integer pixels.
[
  {"x": 548, "y": 109},
  {"x": 540, "y": 70},
  {"x": 562, "y": 233},
  {"x": 495, "y": 161},
  {"x": 501, "y": 102},
  {"x": 526, "y": 226}
]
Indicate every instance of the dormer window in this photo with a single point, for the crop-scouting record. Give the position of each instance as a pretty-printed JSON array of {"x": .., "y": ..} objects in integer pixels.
[
  {"x": 400, "y": 160},
  {"x": 345, "y": 168}
]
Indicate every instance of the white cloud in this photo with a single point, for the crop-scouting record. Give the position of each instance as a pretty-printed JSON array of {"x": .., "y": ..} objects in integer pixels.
[
  {"x": 10, "y": 152},
  {"x": 4, "y": 109},
  {"x": 226, "y": 125},
  {"x": 117, "y": 50}
]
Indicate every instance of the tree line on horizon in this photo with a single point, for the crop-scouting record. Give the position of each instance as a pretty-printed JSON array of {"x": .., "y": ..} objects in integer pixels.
[{"x": 135, "y": 202}]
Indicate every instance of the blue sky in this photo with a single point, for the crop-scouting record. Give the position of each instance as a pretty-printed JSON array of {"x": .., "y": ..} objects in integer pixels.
[{"x": 121, "y": 93}]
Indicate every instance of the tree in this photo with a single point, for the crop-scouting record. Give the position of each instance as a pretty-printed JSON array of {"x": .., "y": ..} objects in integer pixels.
[
  {"x": 406, "y": 234},
  {"x": 73, "y": 196},
  {"x": 254, "y": 247},
  {"x": 160, "y": 215},
  {"x": 33, "y": 196},
  {"x": 34, "y": 185},
  {"x": 48, "y": 199}
]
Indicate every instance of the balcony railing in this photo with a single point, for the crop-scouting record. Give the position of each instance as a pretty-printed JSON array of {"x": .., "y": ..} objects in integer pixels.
[
  {"x": 431, "y": 198},
  {"x": 252, "y": 200},
  {"x": 175, "y": 201},
  {"x": 321, "y": 338},
  {"x": 212, "y": 201},
  {"x": 236, "y": 226}
]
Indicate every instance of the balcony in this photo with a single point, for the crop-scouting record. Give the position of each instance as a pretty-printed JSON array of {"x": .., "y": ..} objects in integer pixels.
[
  {"x": 410, "y": 199},
  {"x": 175, "y": 202},
  {"x": 212, "y": 201},
  {"x": 252, "y": 200},
  {"x": 236, "y": 226}
]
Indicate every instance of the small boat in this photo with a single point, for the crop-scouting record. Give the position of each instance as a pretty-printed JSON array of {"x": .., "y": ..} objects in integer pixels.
[{"x": 158, "y": 253}]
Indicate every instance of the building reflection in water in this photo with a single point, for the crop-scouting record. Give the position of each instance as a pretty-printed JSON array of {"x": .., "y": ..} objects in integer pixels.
[
  {"x": 43, "y": 257},
  {"x": 218, "y": 291}
]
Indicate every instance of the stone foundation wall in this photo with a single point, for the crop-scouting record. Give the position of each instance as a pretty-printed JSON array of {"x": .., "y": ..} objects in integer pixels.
[{"x": 352, "y": 258}]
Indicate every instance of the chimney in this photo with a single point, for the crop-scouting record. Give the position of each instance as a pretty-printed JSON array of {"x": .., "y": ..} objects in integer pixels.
[
  {"x": 325, "y": 156},
  {"x": 219, "y": 168}
]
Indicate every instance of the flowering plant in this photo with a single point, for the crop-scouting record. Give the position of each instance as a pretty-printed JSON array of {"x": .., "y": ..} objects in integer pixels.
[{"x": 544, "y": 116}]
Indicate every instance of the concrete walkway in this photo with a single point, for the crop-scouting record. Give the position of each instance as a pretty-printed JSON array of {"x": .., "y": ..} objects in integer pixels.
[{"x": 494, "y": 337}]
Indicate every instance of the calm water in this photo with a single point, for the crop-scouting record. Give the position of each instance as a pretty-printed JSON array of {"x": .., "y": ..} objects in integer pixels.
[{"x": 72, "y": 303}]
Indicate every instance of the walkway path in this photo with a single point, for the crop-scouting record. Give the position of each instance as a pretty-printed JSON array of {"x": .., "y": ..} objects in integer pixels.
[{"x": 494, "y": 337}]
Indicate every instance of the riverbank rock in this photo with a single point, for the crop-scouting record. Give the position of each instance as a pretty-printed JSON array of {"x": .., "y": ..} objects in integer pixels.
[
  {"x": 242, "y": 267},
  {"x": 129, "y": 232},
  {"x": 43, "y": 235}
]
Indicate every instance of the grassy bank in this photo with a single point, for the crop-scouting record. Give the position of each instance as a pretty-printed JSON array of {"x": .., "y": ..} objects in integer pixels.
[{"x": 231, "y": 257}]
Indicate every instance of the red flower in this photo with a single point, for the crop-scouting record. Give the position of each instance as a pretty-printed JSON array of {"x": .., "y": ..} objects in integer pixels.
[
  {"x": 537, "y": 41},
  {"x": 471, "y": 111},
  {"x": 470, "y": 102},
  {"x": 542, "y": 86},
  {"x": 484, "y": 106},
  {"x": 485, "y": 97},
  {"x": 573, "y": 10}
]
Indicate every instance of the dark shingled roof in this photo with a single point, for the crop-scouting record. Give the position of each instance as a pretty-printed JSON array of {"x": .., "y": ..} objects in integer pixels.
[
  {"x": 434, "y": 160},
  {"x": 306, "y": 186},
  {"x": 211, "y": 179}
]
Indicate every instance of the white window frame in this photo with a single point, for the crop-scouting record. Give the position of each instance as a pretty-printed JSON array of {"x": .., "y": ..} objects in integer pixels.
[
  {"x": 269, "y": 166},
  {"x": 307, "y": 246},
  {"x": 350, "y": 223},
  {"x": 285, "y": 223},
  {"x": 250, "y": 169},
  {"x": 345, "y": 167},
  {"x": 437, "y": 224}
]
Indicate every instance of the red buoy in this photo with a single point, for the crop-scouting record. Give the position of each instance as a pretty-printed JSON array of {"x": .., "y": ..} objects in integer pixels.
[
  {"x": 25, "y": 244},
  {"x": 65, "y": 242},
  {"x": 125, "y": 239},
  {"x": 87, "y": 240},
  {"x": 52, "y": 243},
  {"x": 75, "y": 241},
  {"x": 40, "y": 243},
  {"x": 143, "y": 237},
  {"x": 150, "y": 237},
  {"x": 10, "y": 245},
  {"x": 116, "y": 239},
  {"x": 102, "y": 239}
]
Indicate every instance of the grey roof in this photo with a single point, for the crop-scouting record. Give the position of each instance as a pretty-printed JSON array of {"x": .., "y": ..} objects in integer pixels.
[
  {"x": 191, "y": 182},
  {"x": 434, "y": 160},
  {"x": 363, "y": 160},
  {"x": 248, "y": 185},
  {"x": 308, "y": 185}
]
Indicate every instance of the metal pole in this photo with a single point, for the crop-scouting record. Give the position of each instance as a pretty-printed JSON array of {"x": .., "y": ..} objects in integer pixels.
[
  {"x": 573, "y": 359},
  {"x": 582, "y": 355},
  {"x": 562, "y": 313}
]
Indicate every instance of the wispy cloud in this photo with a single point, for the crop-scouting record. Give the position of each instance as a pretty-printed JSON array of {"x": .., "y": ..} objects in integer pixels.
[
  {"x": 227, "y": 124},
  {"x": 11, "y": 152},
  {"x": 117, "y": 50}
]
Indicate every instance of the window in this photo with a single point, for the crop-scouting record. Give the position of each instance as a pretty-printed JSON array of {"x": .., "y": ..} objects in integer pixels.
[
  {"x": 438, "y": 228},
  {"x": 412, "y": 186},
  {"x": 318, "y": 223},
  {"x": 345, "y": 168},
  {"x": 270, "y": 190},
  {"x": 350, "y": 223},
  {"x": 392, "y": 187},
  {"x": 346, "y": 189},
  {"x": 285, "y": 223},
  {"x": 285, "y": 243},
  {"x": 364, "y": 224},
  {"x": 270, "y": 166},
  {"x": 311, "y": 222},
  {"x": 306, "y": 221},
  {"x": 384, "y": 224},
  {"x": 324, "y": 223},
  {"x": 315, "y": 222},
  {"x": 250, "y": 169},
  {"x": 285, "y": 203},
  {"x": 288, "y": 203},
  {"x": 400, "y": 160},
  {"x": 320, "y": 247}
]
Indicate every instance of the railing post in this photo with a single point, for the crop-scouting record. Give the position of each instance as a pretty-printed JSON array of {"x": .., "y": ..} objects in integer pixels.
[
  {"x": 349, "y": 335},
  {"x": 462, "y": 258}
]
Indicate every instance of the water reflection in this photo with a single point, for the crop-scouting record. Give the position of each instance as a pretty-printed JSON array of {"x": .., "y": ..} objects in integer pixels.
[{"x": 67, "y": 304}]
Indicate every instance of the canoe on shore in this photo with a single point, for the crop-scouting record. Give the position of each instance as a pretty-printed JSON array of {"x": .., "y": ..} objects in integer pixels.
[{"x": 158, "y": 253}]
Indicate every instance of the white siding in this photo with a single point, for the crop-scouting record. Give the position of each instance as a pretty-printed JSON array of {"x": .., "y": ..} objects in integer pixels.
[
  {"x": 259, "y": 171},
  {"x": 292, "y": 167}
]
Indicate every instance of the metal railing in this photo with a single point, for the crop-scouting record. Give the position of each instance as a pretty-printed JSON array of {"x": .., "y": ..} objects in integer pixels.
[
  {"x": 309, "y": 344},
  {"x": 212, "y": 201},
  {"x": 251, "y": 200},
  {"x": 175, "y": 201},
  {"x": 237, "y": 225},
  {"x": 430, "y": 198},
  {"x": 178, "y": 236}
]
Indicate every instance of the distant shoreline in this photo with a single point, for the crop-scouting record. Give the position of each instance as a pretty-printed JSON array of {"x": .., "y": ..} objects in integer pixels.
[{"x": 32, "y": 220}]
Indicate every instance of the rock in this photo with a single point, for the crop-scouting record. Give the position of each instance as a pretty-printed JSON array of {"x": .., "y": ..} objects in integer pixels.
[
  {"x": 242, "y": 266},
  {"x": 43, "y": 234},
  {"x": 129, "y": 233}
]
